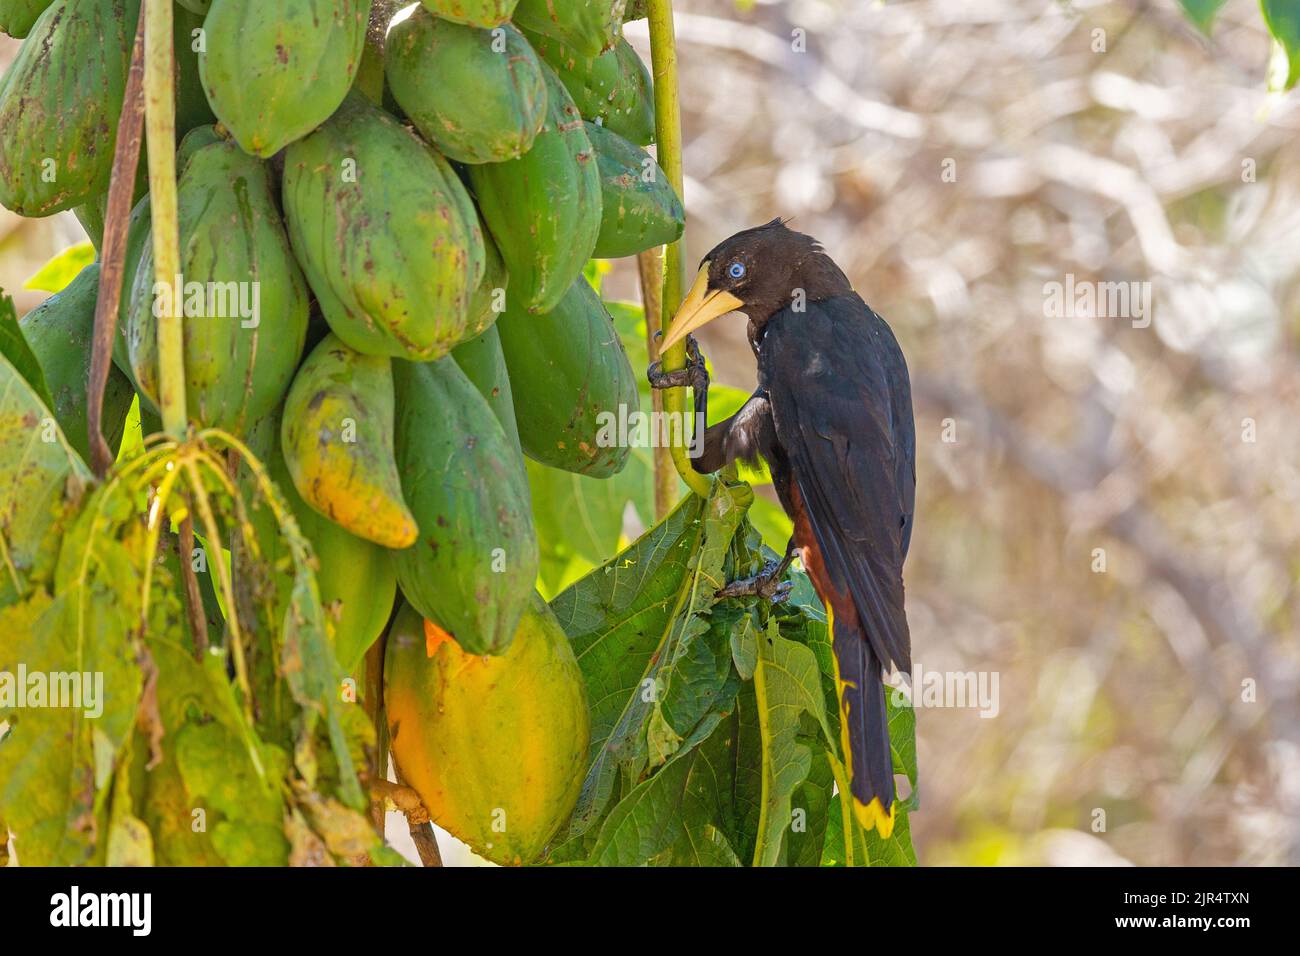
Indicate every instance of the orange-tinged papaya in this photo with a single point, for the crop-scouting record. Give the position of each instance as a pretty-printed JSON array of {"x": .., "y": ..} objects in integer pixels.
[
  {"x": 495, "y": 746},
  {"x": 337, "y": 438},
  {"x": 356, "y": 579}
]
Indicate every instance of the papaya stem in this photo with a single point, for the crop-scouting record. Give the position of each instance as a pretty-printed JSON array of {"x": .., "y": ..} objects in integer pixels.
[
  {"x": 126, "y": 158},
  {"x": 650, "y": 265},
  {"x": 160, "y": 127},
  {"x": 370, "y": 71},
  {"x": 193, "y": 600},
  {"x": 421, "y": 828},
  {"x": 668, "y": 136}
]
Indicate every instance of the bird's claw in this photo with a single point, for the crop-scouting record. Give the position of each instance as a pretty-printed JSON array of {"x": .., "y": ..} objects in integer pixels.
[
  {"x": 694, "y": 375},
  {"x": 766, "y": 585}
]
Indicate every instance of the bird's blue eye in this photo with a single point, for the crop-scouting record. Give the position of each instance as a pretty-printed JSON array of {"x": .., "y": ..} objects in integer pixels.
[{"x": 736, "y": 270}]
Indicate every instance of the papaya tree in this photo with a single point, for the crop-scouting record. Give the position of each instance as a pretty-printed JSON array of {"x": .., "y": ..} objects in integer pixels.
[{"x": 325, "y": 486}]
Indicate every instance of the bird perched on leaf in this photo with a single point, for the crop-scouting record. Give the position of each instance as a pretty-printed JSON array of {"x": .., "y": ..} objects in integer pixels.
[{"x": 832, "y": 416}]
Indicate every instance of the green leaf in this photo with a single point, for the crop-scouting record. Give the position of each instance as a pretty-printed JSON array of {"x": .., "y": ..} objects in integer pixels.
[
  {"x": 1202, "y": 12},
  {"x": 244, "y": 809},
  {"x": 648, "y": 820},
  {"x": 896, "y": 850},
  {"x": 629, "y": 320},
  {"x": 787, "y": 683},
  {"x": 770, "y": 520},
  {"x": 42, "y": 481},
  {"x": 811, "y": 816},
  {"x": 579, "y": 519},
  {"x": 55, "y": 275},
  {"x": 14, "y": 347},
  {"x": 1283, "y": 20},
  {"x": 56, "y": 764},
  {"x": 833, "y": 853},
  {"x": 129, "y": 841},
  {"x": 184, "y": 694},
  {"x": 631, "y": 622},
  {"x": 616, "y": 619},
  {"x": 803, "y": 619}
]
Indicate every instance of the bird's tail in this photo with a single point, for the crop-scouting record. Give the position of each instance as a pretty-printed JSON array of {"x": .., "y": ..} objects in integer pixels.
[{"x": 864, "y": 729}]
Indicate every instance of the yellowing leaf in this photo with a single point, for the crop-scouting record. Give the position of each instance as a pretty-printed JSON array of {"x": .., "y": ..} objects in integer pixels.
[{"x": 54, "y": 276}]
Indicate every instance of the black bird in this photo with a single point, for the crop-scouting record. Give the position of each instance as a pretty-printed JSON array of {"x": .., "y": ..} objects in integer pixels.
[{"x": 832, "y": 416}]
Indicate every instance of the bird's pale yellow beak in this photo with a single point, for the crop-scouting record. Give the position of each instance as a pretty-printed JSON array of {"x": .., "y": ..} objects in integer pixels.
[{"x": 698, "y": 308}]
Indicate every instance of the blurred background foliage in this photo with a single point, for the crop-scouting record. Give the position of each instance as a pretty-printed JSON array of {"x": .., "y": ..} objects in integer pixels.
[{"x": 955, "y": 158}]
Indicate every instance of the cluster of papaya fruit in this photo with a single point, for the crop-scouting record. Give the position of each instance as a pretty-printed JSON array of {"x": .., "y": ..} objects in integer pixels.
[{"x": 384, "y": 297}]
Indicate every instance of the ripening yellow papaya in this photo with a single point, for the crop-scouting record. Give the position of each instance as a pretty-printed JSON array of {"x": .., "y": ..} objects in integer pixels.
[
  {"x": 495, "y": 746},
  {"x": 337, "y": 438}
]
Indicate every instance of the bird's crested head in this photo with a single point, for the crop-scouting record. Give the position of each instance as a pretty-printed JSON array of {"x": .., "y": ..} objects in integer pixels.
[{"x": 759, "y": 272}]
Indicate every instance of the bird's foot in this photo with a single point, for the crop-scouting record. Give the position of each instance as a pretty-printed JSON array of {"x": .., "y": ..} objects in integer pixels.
[
  {"x": 695, "y": 374},
  {"x": 766, "y": 585}
]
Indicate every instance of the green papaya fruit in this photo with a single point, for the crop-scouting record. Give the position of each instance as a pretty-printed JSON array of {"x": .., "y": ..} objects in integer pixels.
[
  {"x": 138, "y": 234},
  {"x": 61, "y": 333},
  {"x": 474, "y": 13},
  {"x": 385, "y": 232},
  {"x": 337, "y": 439},
  {"x": 59, "y": 103},
  {"x": 192, "y": 107},
  {"x": 192, "y": 111},
  {"x": 613, "y": 89},
  {"x": 572, "y": 382},
  {"x": 356, "y": 578},
  {"x": 484, "y": 364},
  {"x": 589, "y": 26},
  {"x": 245, "y": 301},
  {"x": 489, "y": 299},
  {"x": 487, "y": 741},
  {"x": 198, "y": 139},
  {"x": 91, "y": 217},
  {"x": 473, "y": 567},
  {"x": 477, "y": 95},
  {"x": 480, "y": 358},
  {"x": 17, "y": 16},
  {"x": 275, "y": 71},
  {"x": 543, "y": 209},
  {"x": 639, "y": 207}
]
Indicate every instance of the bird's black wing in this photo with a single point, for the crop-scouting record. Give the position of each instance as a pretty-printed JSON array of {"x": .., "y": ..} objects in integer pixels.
[{"x": 841, "y": 401}]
